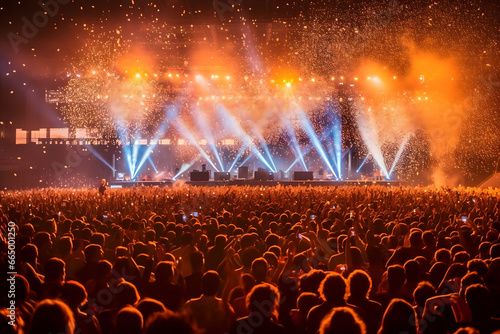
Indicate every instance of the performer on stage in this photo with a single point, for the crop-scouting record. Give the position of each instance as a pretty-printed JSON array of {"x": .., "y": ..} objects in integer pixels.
[{"x": 103, "y": 187}]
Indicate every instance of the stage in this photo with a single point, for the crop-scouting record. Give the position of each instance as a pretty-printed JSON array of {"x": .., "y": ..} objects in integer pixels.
[{"x": 242, "y": 183}]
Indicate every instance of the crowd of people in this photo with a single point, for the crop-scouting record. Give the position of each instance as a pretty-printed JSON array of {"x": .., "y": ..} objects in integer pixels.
[{"x": 251, "y": 259}]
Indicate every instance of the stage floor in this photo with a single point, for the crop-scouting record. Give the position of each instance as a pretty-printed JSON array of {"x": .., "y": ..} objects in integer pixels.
[{"x": 313, "y": 183}]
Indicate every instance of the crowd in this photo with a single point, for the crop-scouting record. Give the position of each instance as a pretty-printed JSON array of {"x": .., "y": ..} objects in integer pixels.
[{"x": 243, "y": 260}]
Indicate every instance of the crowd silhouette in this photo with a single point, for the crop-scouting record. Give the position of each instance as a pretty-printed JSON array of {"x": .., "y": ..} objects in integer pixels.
[{"x": 252, "y": 259}]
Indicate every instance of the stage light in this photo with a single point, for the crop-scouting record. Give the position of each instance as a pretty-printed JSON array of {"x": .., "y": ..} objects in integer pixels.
[
  {"x": 152, "y": 164},
  {"x": 306, "y": 150},
  {"x": 376, "y": 80},
  {"x": 295, "y": 143},
  {"x": 308, "y": 128},
  {"x": 206, "y": 130},
  {"x": 245, "y": 161},
  {"x": 134, "y": 166},
  {"x": 182, "y": 128},
  {"x": 184, "y": 167},
  {"x": 288, "y": 84},
  {"x": 98, "y": 156},
  {"x": 402, "y": 146},
  {"x": 240, "y": 133},
  {"x": 238, "y": 155},
  {"x": 337, "y": 140},
  {"x": 368, "y": 132},
  {"x": 362, "y": 163}
]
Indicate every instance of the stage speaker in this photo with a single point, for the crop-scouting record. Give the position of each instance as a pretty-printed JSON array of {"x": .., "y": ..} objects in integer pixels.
[
  {"x": 263, "y": 175},
  {"x": 302, "y": 176},
  {"x": 200, "y": 176},
  {"x": 243, "y": 172},
  {"x": 219, "y": 176}
]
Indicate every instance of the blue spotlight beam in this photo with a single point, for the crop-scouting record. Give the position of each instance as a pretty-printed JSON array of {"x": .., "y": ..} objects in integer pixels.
[
  {"x": 179, "y": 124},
  {"x": 122, "y": 131},
  {"x": 152, "y": 164},
  {"x": 263, "y": 144},
  {"x": 295, "y": 143},
  {"x": 238, "y": 155},
  {"x": 202, "y": 123},
  {"x": 337, "y": 143},
  {"x": 268, "y": 153},
  {"x": 169, "y": 115},
  {"x": 306, "y": 124},
  {"x": 123, "y": 135},
  {"x": 135, "y": 149},
  {"x": 368, "y": 131},
  {"x": 306, "y": 150},
  {"x": 362, "y": 163},
  {"x": 98, "y": 156},
  {"x": 185, "y": 167},
  {"x": 128, "y": 157},
  {"x": 238, "y": 130},
  {"x": 402, "y": 146},
  {"x": 260, "y": 157},
  {"x": 246, "y": 159},
  {"x": 217, "y": 156},
  {"x": 335, "y": 150},
  {"x": 333, "y": 156}
]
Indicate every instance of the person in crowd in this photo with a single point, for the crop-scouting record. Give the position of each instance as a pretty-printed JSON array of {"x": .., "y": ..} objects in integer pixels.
[
  {"x": 262, "y": 303},
  {"x": 74, "y": 295},
  {"x": 399, "y": 317},
  {"x": 211, "y": 314},
  {"x": 169, "y": 323},
  {"x": 194, "y": 280},
  {"x": 305, "y": 302},
  {"x": 164, "y": 288},
  {"x": 51, "y": 316},
  {"x": 55, "y": 275},
  {"x": 125, "y": 295},
  {"x": 148, "y": 307},
  {"x": 103, "y": 186},
  {"x": 333, "y": 292},
  {"x": 342, "y": 320},
  {"x": 359, "y": 285},
  {"x": 128, "y": 321}
]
